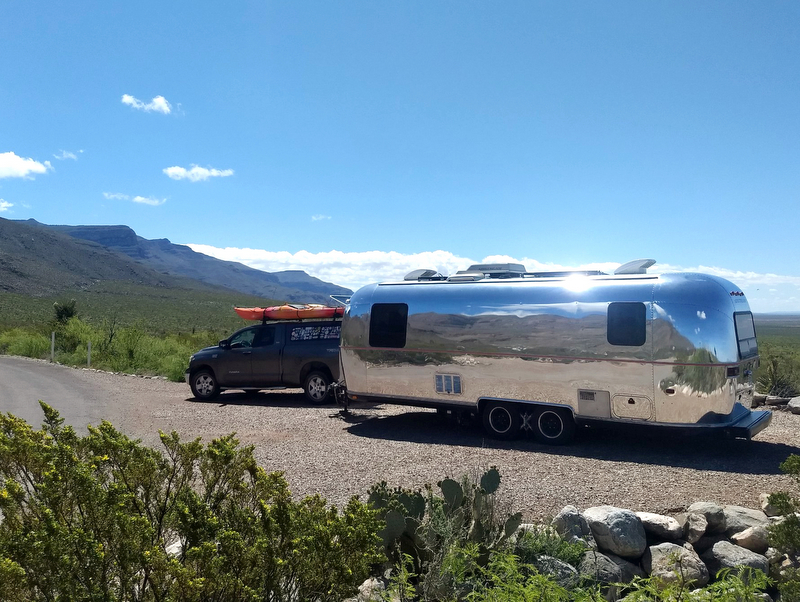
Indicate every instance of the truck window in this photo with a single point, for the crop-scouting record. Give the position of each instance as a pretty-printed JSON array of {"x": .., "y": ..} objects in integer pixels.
[
  {"x": 387, "y": 325},
  {"x": 745, "y": 334},
  {"x": 627, "y": 324},
  {"x": 315, "y": 333},
  {"x": 265, "y": 336}
]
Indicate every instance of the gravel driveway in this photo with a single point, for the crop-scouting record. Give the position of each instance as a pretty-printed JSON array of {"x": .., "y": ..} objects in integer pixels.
[{"x": 323, "y": 452}]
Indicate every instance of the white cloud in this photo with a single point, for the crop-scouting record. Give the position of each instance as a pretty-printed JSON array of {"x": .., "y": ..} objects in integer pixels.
[
  {"x": 62, "y": 155},
  {"x": 13, "y": 166},
  {"x": 116, "y": 196},
  {"x": 159, "y": 104},
  {"x": 319, "y": 217},
  {"x": 354, "y": 270},
  {"x": 196, "y": 173},
  {"x": 146, "y": 200},
  {"x": 5, "y": 205}
]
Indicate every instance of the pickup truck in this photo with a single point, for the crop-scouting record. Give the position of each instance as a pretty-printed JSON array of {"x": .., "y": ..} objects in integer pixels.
[{"x": 274, "y": 354}]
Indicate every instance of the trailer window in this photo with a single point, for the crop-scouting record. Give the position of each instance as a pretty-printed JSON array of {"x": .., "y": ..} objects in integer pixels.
[
  {"x": 627, "y": 324},
  {"x": 387, "y": 325},
  {"x": 745, "y": 334}
]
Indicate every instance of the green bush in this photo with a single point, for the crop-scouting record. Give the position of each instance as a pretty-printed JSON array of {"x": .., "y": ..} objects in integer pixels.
[
  {"x": 27, "y": 344},
  {"x": 102, "y": 517}
]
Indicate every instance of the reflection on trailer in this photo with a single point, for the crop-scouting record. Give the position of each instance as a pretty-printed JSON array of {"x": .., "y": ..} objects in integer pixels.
[{"x": 543, "y": 352}]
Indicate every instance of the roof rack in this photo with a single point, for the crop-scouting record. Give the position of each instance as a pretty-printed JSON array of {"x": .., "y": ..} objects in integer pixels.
[{"x": 566, "y": 274}]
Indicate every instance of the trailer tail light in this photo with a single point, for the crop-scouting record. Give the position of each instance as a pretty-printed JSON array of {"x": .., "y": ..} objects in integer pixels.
[{"x": 733, "y": 372}]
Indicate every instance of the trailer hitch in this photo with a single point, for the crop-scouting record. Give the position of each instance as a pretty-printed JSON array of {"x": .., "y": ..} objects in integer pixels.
[{"x": 340, "y": 395}]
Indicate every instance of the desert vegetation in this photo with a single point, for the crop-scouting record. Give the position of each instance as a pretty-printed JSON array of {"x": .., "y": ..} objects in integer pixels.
[{"x": 102, "y": 517}]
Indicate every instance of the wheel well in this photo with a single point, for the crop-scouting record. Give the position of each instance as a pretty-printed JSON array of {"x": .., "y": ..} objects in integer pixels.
[
  {"x": 538, "y": 404},
  {"x": 315, "y": 367},
  {"x": 203, "y": 367}
]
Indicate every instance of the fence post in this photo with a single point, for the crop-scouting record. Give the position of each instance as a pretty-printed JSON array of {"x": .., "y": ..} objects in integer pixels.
[
  {"x": 53, "y": 346},
  {"x": 89, "y": 354}
]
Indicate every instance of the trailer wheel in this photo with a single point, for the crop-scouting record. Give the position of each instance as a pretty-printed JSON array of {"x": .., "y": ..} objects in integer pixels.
[
  {"x": 554, "y": 426},
  {"x": 501, "y": 420}
]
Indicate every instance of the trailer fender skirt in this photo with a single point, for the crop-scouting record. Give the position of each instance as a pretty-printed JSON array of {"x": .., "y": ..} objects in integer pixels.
[{"x": 749, "y": 425}]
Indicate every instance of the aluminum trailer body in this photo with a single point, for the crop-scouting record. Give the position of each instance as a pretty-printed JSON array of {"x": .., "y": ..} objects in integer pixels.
[{"x": 545, "y": 352}]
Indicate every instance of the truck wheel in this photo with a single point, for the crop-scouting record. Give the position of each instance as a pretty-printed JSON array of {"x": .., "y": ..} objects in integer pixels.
[
  {"x": 204, "y": 385},
  {"x": 501, "y": 420},
  {"x": 317, "y": 387},
  {"x": 554, "y": 426}
]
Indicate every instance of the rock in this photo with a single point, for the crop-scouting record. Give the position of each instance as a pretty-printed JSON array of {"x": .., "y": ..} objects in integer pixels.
[
  {"x": 600, "y": 568},
  {"x": 371, "y": 590},
  {"x": 755, "y": 539},
  {"x": 617, "y": 531},
  {"x": 774, "y": 400},
  {"x": 627, "y": 569},
  {"x": 573, "y": 526},
  {"x": 562, "y": 572},
  {"x": 694, "y": 526},
  {"x": 663, "y": 527},
  {"x": 773, "y": 556},
  {"x": 766, "y": 507},
  {"x": 725, "y": 555},
  {"x": 738, "y": 518},
  {"x": 671, "y": 563},
  {"x": 794, "y": 405},
  {"x": 714, "y": 514}
]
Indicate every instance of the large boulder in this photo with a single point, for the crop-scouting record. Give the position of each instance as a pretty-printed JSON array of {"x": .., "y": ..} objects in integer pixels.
[
  {"x": 766, "y": 507},
  {"x": 617, "y": 531},
  {"x": 573, "y": 527},
  {"x": 794, "y": 405},
  {"x": 713, "y": 513},
  {"x": 670, "y": 563},
  {"x": 755, "y": 539},
  {"x": 600, "y": 568},
  {"x": 658, "y": 525},
  {"x": 562, "y": 572},
  {"x": 739, "y": 518},
  {"x": 725, "y": 555}
]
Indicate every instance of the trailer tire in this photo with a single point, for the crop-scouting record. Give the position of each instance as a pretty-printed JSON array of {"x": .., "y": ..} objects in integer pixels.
[
  {"x": 554, "y": 426},
  {"x": 501, "y": 420}
]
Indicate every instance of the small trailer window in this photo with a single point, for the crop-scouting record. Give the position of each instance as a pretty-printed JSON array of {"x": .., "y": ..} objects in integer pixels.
[
  {"x": 627, "y": 324},
  {"x": 387, "y": 325},
  {"x": 745, "y": 334}
]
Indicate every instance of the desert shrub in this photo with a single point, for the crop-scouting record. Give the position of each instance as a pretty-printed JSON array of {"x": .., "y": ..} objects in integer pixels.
[
  {"x": 545, "y": 541},
  {"x": 102, "y": 517},
  {"x": 785, "y": 535},
  {"x": 743, "y": 585},
  {"x": 22, "y": 342},
  {"x": 779, "y": 372}
]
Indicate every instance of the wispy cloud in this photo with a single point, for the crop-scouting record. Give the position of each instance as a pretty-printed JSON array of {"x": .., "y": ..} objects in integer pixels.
[
  {"x": 142, "y": 200},
  {"x": 13, "y": 166},
  {"x": 159, "y": 104},
  {"x": 319, "y": 217},
  {"x": 62, "y": 155},
  {"x": 354, "y": 270},
  {"x": 148, "y": 200},
  {"x": 196, "y": 173},
  {"x": 5, "y": 205}
]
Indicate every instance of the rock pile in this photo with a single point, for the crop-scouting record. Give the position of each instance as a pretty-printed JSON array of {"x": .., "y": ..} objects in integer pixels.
[{"x": 777, "y": 403}]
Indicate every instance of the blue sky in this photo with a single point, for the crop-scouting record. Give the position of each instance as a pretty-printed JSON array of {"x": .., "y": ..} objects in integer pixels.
[{"x": 355, "y": 139}]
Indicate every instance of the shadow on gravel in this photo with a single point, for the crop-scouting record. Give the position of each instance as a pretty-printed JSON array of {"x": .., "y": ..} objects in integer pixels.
[
  {"x": 640, "y": 446},
  {"x": 272, "y": 399}
]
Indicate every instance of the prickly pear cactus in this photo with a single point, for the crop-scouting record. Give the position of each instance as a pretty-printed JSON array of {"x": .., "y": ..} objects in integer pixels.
[
  {"x": 490, "y": 481},
  {"x": 453, "y": 493}
]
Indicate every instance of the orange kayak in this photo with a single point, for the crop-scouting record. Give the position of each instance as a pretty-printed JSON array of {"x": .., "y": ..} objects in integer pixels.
[{"x": 289, "y": 312}]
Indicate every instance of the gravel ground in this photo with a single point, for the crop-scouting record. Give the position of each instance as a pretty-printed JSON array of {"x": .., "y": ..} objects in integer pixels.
[{"x": 338, "y": 457}]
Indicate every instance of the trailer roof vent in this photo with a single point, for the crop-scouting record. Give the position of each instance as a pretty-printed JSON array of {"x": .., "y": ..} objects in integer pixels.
[
  {"x": 466, "y": 276},
  {"x": 424, "y": 274},
  {"x": 637, "y": 266},
  {"x": 499, "y": 270}
]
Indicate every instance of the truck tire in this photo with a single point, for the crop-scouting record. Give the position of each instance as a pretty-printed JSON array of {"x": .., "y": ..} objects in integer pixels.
[
  {"x": 554, "y": 426},
  {"x": 317, "y": 388},
  {"x": 501, "y": 420},
  {"x": 204, "y": 385}
]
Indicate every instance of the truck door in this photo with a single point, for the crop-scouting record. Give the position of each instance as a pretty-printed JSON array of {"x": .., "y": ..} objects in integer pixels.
[
  {"x": 266, "y": 357},
  {"x": 233, "y": 367}
]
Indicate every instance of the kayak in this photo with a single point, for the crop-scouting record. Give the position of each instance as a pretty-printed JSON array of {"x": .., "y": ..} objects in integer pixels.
[{"x": 289, "y": 312}]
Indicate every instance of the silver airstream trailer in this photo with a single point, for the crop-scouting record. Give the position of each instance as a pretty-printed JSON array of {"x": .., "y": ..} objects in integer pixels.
[{"x": 544, "y": 352}]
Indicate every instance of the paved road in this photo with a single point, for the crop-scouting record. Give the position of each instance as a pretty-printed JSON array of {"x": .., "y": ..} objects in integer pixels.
[{"x": 322, "y": 452}]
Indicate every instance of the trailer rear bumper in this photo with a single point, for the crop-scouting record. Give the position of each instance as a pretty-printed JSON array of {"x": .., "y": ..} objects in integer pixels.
[{"x": 749, "y": 425}]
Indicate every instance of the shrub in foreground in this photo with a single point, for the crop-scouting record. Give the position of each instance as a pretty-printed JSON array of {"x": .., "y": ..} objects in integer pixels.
[{"x": 102, "y": 517}]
